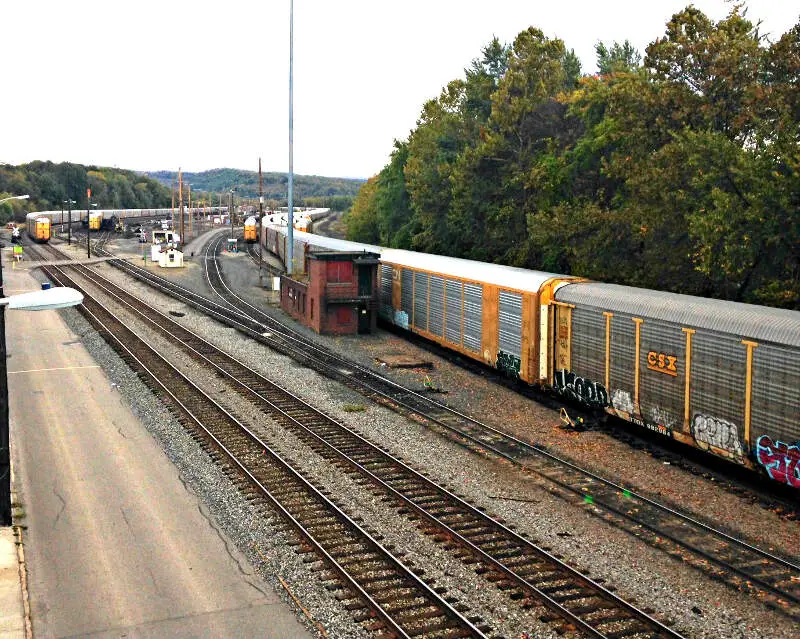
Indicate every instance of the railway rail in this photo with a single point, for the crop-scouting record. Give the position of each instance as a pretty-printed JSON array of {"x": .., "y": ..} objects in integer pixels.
[
  {"x": 773, "y": 579},
  {"x": 505, "y": 558},
  {"x": 383, "y": 592}
]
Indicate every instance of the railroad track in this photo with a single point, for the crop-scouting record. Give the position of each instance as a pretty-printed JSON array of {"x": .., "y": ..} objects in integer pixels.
[
  {"x": 505, "y": 558},
  {"x": 382, "y": 592},
  {"x": 772, "y": 579}
]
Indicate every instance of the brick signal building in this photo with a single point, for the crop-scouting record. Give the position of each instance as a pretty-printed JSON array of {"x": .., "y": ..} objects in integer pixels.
[{"x": 337, "y": 295}]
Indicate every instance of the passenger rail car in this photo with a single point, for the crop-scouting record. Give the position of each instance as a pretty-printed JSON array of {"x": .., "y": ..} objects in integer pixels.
[{"x": 719, "y": 376}]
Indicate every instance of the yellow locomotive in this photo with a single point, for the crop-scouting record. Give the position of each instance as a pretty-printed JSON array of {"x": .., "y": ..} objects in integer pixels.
[
  {"x": 39, "y": 228},
  {"x": 251, "y": 230},
  {"x": 95, "y": 220}
]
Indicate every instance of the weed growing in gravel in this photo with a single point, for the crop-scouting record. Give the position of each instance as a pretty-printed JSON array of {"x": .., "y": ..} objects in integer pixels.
[{"x": 353, "y": 408}]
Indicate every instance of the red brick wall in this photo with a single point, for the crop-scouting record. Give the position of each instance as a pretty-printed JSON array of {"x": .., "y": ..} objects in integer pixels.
[
  {"x": 335, "y": 319},
  {"x": 292, "y": 293}
]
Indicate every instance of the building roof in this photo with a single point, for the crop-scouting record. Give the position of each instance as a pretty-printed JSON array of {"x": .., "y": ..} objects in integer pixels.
[{"x": 747, "y": 321}]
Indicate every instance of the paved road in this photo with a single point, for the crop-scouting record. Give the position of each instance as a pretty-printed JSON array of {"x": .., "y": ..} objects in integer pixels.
[{"x": 116, "y": 546}]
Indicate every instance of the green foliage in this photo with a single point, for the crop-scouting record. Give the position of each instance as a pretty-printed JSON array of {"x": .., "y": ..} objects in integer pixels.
[
  {"x": 679, "y": 172},
  {"x": 619, "y": 58},
  {"x": 361, "y": 221},
  {"x": 332, "y": 202},
  {"x": 276, "y": 185},
  {"x": 49, "y": 184}
]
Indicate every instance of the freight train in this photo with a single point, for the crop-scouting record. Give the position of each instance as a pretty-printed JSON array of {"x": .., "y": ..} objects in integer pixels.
[
  {"x": 303, "y": 219},
  {"x": 719, "y": 376},
  {"x": 251, "y": 230},
  {"x": 40, "y": 224}
]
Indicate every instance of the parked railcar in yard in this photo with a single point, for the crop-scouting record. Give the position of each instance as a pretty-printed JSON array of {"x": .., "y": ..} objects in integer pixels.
[
  {"x": 38, "y": 227},
  {"x": 251, "y": 230},
  {"x": 716, "y": 375},
  {"x": 108, "y": 217},
  {"x": 719, "y": 376}
]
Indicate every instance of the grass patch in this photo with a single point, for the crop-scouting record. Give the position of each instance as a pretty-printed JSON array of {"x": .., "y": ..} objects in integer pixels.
[{"x": 354, "y": 408}]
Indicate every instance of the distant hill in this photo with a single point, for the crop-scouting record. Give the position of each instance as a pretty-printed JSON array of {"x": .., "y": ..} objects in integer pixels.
[
  {"x": 275, "y": 184},
  {"x": 49, "y": 184}
]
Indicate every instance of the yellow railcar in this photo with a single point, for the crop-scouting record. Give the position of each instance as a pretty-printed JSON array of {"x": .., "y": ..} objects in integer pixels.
[
  {"x": 251, "y": 230},
  {"x": 39, "y": 228}
]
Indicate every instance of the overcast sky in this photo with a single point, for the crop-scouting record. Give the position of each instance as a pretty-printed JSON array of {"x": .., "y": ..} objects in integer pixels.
[{"x": 150, "y": 85}]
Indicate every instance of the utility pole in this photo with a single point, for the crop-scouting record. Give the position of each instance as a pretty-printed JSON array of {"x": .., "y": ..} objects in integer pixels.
[
  {"x": 290, "y": 217},
  {"x": 191, "y": 213},
  {"x": 180, "y": 203},
  {"x": 173, "y": 204},
  {"x": 88, "y": 224},
  {"x": 230, "y": 207},
  {"x": 69, "y": 224},
  {"x": 260, "y": 217}
]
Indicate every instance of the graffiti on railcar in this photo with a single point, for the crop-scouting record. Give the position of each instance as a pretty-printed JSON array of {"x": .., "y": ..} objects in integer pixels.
[
  {"x": 509, "y": 364},
  {"x": 579, "y": 389},
  {"x": 663, "y": 417},
  {"x": 711, "y": 431},
  {"x": 401, "y": 319},
  {"x": 780, "y": 460},
  {"x": 621, "y": 400}
]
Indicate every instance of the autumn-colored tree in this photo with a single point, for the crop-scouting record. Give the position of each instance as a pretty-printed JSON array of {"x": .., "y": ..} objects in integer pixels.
[
  {"x": 680, "y": 173},
  {"x": 361, "y": 221}
]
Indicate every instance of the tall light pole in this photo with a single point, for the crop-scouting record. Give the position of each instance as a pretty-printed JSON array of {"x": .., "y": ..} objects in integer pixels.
[
  {"x": 180, "y": 205},
  {"x": 230, "y": 207},
  {"x": 260, "y": 216},
  {"x": 290, "y": 216}
]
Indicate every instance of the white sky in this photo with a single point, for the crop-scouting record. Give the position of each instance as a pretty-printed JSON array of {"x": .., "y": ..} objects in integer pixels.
[{"x": 150, "y": 85}]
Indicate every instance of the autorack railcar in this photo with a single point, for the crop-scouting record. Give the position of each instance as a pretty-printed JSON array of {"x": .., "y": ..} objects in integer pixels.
[
  {"x": 719, "y": 376},
  {"x": 713, "y": 374}
]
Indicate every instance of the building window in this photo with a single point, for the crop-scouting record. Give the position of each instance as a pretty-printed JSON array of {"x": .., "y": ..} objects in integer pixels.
[
  {"x": 339, "y": 272},
  {"x": 312, "y": 308}
]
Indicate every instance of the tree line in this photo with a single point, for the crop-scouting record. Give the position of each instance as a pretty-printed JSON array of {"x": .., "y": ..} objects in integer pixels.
[
  {"x": 50, "y": 185},
  {"x": 678, "y": 170},
  {"x": 275, "y": 185}
]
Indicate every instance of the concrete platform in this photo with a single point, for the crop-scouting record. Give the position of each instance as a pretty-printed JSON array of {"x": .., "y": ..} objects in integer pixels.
[
  {"x": 115, "y": 545},
  {"x": 12, "y": 609}
]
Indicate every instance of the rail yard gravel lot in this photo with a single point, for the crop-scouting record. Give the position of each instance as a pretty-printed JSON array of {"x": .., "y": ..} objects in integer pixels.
[{"x": 699, "y": 606}]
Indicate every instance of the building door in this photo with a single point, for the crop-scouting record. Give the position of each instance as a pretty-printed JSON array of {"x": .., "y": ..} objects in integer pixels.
[
  {"x": 364, "y": 280},
  {"x": 364, "y": 319}
]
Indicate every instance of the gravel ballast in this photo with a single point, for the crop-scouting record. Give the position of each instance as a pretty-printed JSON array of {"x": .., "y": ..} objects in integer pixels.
[{"x": 699, "y": 606}]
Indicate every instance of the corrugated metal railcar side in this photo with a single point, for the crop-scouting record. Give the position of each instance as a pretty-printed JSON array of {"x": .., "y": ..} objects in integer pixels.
[
  {"x": 485, "y": 311},
  {"x": 717, "y": 375}
]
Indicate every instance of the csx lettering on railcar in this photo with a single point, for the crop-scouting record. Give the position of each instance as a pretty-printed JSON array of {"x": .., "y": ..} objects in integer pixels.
[{"x": 664, "y": 360}]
